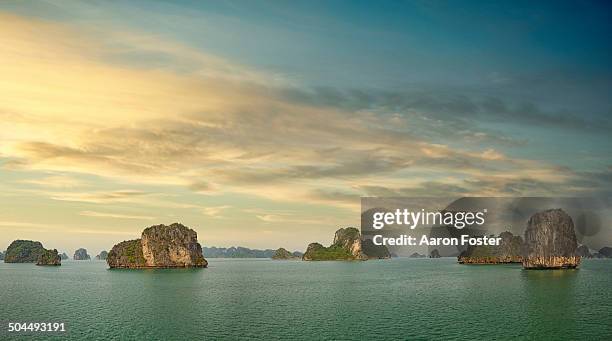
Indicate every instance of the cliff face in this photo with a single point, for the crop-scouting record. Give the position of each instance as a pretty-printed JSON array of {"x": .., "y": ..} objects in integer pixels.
[
  {"x": 23, "y": 251},
  {"x": 510, "y": 250},
  {"x": 550, "y": 241},
  {"x": 49, "y": 257},
  {"x": 161, "y": 246},
  {"x": 282, "y": 253},
  {"x": 81, "y": 254}
]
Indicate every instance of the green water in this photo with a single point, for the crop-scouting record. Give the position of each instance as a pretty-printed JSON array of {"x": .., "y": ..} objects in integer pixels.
[{"x": 262, "y": 299}]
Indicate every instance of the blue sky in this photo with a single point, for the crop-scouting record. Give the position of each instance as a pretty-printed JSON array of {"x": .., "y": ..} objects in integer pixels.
[{"x": 257, "y": 121}]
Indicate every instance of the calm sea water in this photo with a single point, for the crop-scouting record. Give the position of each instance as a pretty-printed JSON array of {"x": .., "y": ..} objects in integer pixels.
[{"x": 264, "y": 299}]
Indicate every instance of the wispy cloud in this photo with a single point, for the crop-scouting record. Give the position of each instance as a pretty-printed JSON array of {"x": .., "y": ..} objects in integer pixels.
[{"x": 114, "y": 215}]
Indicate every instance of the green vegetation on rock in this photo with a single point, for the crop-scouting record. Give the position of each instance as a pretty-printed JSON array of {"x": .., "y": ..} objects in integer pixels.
[
  {"x": 347, "y": 245},
  {"x": 23, "y": 251},
  {"x": 49, "y": 257}
]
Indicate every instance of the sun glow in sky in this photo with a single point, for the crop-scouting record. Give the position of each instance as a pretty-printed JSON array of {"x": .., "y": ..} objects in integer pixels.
[{"x": 261, "y": 124}]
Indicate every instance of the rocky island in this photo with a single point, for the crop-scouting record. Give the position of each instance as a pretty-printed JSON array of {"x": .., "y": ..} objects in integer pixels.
[
  {"x": 81, "y": 254},
  {"x": 1, "y": 255},
  {"x": 28, "y": 251},
  {"x": 283, "y": 254},
  {"x": 550, "y": 241},
  {"x": 160, "y": 246},
  {"x": 64, "y": 256},
  {"x": 102, "y": 256},
  {"x": 509, "y": 250},
  {"x": 49, "y": 257},
  {"x": 23, "y": 251},
  {"x": 434, "y": 254},
  {"x": 347, "y": 245}
]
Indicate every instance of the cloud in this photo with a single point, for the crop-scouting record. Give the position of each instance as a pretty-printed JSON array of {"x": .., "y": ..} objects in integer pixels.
[
  {"x": 142, "y": 110},
  {"x": 114, "y": 215}
]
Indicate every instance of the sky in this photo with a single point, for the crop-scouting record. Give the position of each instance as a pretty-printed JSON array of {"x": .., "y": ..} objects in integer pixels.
[{"x": 262, "y": 123}]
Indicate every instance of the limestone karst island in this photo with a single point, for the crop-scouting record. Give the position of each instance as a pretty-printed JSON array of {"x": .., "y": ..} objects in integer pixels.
[{"x": 160, "y": 246}]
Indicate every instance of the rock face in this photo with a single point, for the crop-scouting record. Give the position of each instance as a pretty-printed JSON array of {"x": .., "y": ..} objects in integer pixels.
[
  {"x": 583, "y": 252},
  {"x": 23, "y": 251},
  {"x": 510, "y": 250},
  {"x": 282, "y": 254},
  {"x": 81, "y": 254},
  {"x": 160, "y": 246},
  {"x": 434, "y": 254},
  {"x": 550, "y": 241},
  {"x": 49, "y": 257},
  {"x": 102, "y": 256}
]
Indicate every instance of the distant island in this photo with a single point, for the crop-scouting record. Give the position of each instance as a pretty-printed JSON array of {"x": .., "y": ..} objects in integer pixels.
[
  {"x": 28, "y": 251},
  {"x": 417, "y": 255},
  {"x": 160, "y": 246},
  {"x": 1, "y": 255},
  {"x": 64, "y": 256},
  {"x": 102, "y": 256},
  {"x": 236, "y": 252},
  {"x": 347, "y": 245},
  {"x": 283, "y": 254},
  {"x": 81, "y": 254}
]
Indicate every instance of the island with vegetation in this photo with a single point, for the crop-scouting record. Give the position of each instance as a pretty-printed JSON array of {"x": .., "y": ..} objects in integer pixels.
[
  {"x": 283, "y": 254},
  {"x": 347, "y": 245},
  {"x": 81, "y": 254},
  {"x": 160, "y": 246},
  {"x": 550, "y": 241},
  {"x": 509, "y": 250},
  {"x": 49, "y": 258},
  {"x": 29, "y": 251}
]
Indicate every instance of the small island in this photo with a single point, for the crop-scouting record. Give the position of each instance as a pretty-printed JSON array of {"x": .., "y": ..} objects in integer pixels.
[
  {"x": 434, "y": 254},
  {"x": 81, "y": 254},
  {"x": 550, "y": 241},
  {"x": 283, "y": 254},
  {"x": 64, "y": 256},
  {"x": 28, "y": 251},
  {"x": 49, "y": 258},
  {"x": 102, "y": 256},
  {"x": 160, "y": 246},
  {"x": 347, "y": 245}
]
